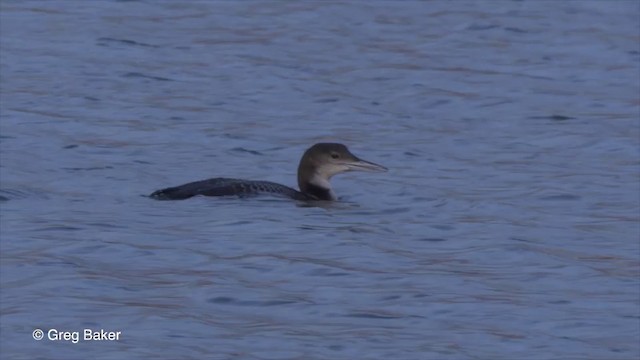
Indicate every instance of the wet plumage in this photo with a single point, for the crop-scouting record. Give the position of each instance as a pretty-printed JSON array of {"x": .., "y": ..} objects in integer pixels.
[{"x": 225, "y": 187}]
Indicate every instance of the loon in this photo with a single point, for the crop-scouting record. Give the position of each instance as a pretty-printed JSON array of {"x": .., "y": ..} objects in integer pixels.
[{"x": 318, "y": 164}]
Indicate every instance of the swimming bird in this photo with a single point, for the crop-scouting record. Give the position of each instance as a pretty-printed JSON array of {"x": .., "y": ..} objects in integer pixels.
[{"x": 318, "y": 164}]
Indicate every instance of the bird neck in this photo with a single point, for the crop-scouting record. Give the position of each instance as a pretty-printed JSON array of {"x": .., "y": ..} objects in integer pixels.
[{"x": 313, "y": 184}]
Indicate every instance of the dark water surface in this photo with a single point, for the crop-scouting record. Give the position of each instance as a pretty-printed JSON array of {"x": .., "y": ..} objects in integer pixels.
[{"x": 507, "y": 227}]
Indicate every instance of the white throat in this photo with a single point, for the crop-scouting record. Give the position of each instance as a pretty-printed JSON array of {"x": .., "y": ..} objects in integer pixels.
[{"x": 323, "y": 182}]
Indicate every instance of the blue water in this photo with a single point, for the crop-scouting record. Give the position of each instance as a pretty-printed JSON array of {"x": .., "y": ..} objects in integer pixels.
[{"x": 508, "y": 225}]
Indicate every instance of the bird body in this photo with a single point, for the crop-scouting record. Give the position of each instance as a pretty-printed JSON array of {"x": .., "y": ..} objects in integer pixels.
[{"x": 318, "y": 164}]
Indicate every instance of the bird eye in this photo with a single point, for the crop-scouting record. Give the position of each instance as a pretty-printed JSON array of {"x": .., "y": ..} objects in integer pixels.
[{"x": 335, "y": 155}]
